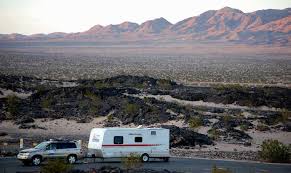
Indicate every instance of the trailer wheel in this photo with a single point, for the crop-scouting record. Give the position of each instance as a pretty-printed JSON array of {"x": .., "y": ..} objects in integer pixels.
[{"x": 145, "y": 158}]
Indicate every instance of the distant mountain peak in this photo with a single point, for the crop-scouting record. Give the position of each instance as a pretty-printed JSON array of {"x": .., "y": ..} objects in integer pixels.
[
  {"x": 229, "y": 10},
  {"x": 154, "y": 26}
]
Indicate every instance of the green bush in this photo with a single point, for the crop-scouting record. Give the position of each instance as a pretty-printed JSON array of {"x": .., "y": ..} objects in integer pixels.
[
  {"x": 213, "y": 133},
  {"x": 56, "y": 166},
  {"x": 100, "y": 84},
  {"x": 219, "y": 170},
  {"x": 164, "y": 84},
  {"x": 285, "y": 115},
  {"x": 110, "y": 118},
  {"x": 227, "y": 118},
  {"x": 46, "y": 103},
  {"x": 93, "y": 97},
  {"x": 262, "y": 127},
  {"x": 12, "y": 104},
  {"x": 274, "y": 151},
  {"x": 244, "y": 127},
  {"x": 195, "y": 122},
  {"x": 131, "y": 109},
  {"x": 132, "y": 161}
]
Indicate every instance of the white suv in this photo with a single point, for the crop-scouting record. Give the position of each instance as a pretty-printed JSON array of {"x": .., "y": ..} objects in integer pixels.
[{"x": 52, "y": 149}]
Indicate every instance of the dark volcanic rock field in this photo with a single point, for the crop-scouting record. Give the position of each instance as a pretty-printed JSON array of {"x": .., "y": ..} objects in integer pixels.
[{"x": 83, "y": 100}]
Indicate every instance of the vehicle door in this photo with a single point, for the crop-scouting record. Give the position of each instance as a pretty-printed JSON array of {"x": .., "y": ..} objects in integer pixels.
[
  {"x": 50, "y": 151},
  {"x": 154, "y": 149},
  {"x": 61, "y": 151}
]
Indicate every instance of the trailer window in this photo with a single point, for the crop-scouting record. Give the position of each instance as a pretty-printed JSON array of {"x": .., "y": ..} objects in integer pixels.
[
  {"x": 118, "y": 139},
  {"x": 138, "y": 139},
  {"x": 153, "y": 133}
]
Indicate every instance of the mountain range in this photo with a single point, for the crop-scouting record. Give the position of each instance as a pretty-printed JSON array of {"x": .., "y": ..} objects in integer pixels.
[{"x": 271, "y": 26}]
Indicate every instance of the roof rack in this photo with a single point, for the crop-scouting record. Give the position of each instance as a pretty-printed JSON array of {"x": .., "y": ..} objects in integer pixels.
[{"x": 62, "y": 140}]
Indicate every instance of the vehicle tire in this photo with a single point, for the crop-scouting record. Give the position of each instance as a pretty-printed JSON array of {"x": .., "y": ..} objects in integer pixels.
[
  {"x": 166, "y": 159},
  {"x": 71, "y": 159},
  {"x": 36, "y": 160},
  {"x": 26, "y": 163},
  {"x": 145, "y": 158}
]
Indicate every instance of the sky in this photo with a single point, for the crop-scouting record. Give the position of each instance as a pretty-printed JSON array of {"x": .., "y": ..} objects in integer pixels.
[{"x": 46, "y": 16}]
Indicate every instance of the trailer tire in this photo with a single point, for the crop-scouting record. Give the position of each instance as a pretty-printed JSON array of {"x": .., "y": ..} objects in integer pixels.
[{"x": 145, "y": 157}]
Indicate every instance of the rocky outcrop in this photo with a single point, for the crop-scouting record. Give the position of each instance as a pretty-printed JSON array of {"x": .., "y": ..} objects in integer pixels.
[{"x": 186, "y": 137}]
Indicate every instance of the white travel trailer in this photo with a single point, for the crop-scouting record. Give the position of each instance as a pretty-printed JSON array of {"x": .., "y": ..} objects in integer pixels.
[{"x": 121, "y": 142}]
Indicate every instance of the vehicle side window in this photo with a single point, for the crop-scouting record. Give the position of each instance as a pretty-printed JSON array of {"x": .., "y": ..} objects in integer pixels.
[
  {"x": 61, "y": 145},
  {"x": 118, "y": 140},
  {"x": 51, "y": 146},
  {"x": 138, "y": 139},
  {"x": 153, "y": 133},
  {"x": 71, "y": 145}
]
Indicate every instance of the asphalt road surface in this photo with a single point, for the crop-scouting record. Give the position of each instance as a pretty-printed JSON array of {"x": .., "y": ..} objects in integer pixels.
[{"x": 8, "y": 165}]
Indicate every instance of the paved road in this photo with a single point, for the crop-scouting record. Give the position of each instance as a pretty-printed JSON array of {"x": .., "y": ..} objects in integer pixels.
[{"x": 8, "y": 165}]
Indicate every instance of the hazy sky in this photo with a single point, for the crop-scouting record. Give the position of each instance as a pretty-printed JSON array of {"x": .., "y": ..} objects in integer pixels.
[{"x": 45, "y": 16}]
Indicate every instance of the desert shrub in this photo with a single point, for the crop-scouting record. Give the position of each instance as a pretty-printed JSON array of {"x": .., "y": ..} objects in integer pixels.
[
  {"x": 56, "y": 166},
  {"x": 195, "y": 122},
  {"x": 93, "y": 97},
  {"x": 213, "y": 133},
  {"x": 284, "y": 117},
  {"x": 262, "y": 127},
  {"x": 164, "y": 84},
  {"x": 274, "y": 151},
  {"x": 219, "y": 170},
  {"x": 227, "y": 118},
  {"x": 46, "y": 103},
  {"x": 244, "y": 127},
  {"x": 131, "y": 108},
  {"x": 140, "y": 85},
  {"x": 132, "y": 161},
  {"x": 237, "y": 87},
  {"x": 12, "y": 104},
  {"x": 100, "y": 84},
  {"x": 40, "y": 89},
  {"x": 153, "y": 109},
  {"x": 110, "y": 118}
]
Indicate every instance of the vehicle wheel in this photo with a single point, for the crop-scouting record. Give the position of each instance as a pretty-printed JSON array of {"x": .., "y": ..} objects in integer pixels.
[
  {"x": 26, "y": 163},
  {"x": 72, "y": 159},
  {"x": 166, "y": 159},
  {"x": 36, "y": 160},
  {"x": 145, "y": 158}
]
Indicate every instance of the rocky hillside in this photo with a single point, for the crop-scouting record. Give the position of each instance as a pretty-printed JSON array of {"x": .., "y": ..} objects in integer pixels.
[
  {"x": 227, "y": 24},
  {"x": 120, "y": 100}
]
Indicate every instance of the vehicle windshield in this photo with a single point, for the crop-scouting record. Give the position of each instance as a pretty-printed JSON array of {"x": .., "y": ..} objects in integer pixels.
[{"x": 41, "y": 145}]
